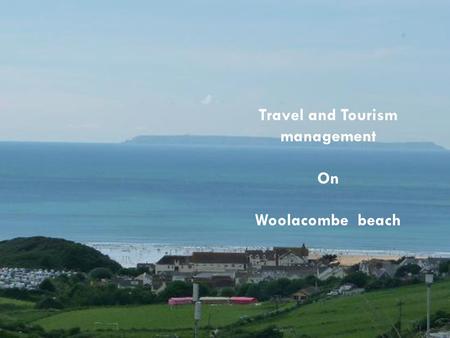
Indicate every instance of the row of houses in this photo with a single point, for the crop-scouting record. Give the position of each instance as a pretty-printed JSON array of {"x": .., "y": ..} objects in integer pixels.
[
  {"x": 250, "y": 260},
  {"x": 222, "y": 269},
  {"x": 28, "y": 279},
  {"x": 228, "y": 269},
  {"x": 380, "y": 268}
]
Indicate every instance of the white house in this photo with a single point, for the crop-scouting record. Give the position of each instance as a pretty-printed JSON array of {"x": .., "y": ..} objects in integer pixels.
[
  {"x": 294, "y": 256},
  {"x": 260, "y": 258},
  {"x": 171, "y": 263},
  {"x": 218, "y": 261}
]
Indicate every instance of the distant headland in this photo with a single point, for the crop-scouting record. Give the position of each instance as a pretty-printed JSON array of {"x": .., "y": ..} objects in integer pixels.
[{"x": 245, "y": 141}]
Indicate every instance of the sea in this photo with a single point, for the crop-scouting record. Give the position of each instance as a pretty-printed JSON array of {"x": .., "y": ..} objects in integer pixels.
[{"x": 175, "y": 197}]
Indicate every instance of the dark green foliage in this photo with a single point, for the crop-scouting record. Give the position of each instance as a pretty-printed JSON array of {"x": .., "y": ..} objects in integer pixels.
[
  {"x": 353, "y": 268},
  {"x": 176, "y": 289},
  {"x": 132, "y": 272},
  {"x": 227, "y": 292},
  {"x": 360, "y": 279},
  {"x": 392, "y": 333},
  {"x": 269, "y": 332},
  {"x": 79, "y": 277},
  {"x": 21, "y": 294},
  {"x": 49, "y": 303},
  {"x": 405, "y": 270},
  {"x": 183, "y": 289},
  {"x": 21, "y": 330},
  {"x": 52, "y": 253},
  {"x": 281, "y": 288},
  {"x": 47, "y": 285},
  {"x": 100, "y": 273},
  {"x": 437, "y": 319},
  {"x": 378, "y": 284},
  {"x": 85, "y": 295},
  {"x": 444, "y": 267},
  {"x": 76, "y": 292}
]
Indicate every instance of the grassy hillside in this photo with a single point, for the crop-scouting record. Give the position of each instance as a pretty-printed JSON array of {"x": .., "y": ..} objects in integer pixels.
[
  {"x": 12, "y": 310},
  {"x": 15, "y": 302},
  {"x": 365, "y": 315},
  {"x": 52, "y": 253}
]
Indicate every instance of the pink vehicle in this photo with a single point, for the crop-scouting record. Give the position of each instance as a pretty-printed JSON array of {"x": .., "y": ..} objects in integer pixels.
[
  {"x": 180, "y": 301},
  {"x": 243, "y": 300}
]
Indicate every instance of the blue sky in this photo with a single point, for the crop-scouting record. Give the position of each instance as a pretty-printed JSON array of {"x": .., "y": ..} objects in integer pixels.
[{"x": 105, "y": 71}]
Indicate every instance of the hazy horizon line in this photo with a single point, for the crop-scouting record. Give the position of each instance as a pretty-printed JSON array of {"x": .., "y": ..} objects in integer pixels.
[{"x": 127, "y": 140}]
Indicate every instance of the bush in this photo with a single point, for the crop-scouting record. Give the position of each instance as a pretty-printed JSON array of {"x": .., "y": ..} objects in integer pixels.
[
  {"x": 408, "y": 269},
  {"x": 444, "y": 267},
  {"x": 85, "y": 295},
  {"x": 227, "y": 292},
  {"x": 100, "y": 273},
  {"x": 176, "y": 289},
  {"x": 47, "y": 286},
  {"x": 282, "y": 287},
  {"x": 49, "y": 303},
  {"x": 21, "y": 294},
  {"x": 438, "y": 319},
  {"x": 269, "y": 332},
  {"x": 360, "y": 279},
  {"x": 132, "y": 272}
]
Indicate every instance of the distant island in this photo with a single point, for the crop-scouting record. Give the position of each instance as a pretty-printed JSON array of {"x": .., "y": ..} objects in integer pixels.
[{"x": 246, "y": 141}]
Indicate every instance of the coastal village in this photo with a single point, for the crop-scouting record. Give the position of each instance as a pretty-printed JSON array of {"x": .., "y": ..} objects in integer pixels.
[
  {"x": 220, "y": 270},
  {"x": 230, "y": 269},
  {"x": 252, "y": 285}
]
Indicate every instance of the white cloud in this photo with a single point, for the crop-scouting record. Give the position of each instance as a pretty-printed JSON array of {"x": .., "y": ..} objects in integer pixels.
[{"x": 207, "y": 99}]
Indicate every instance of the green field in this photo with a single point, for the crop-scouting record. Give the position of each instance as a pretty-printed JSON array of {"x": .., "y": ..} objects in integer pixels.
[
  {"x": 365, "y": 315},
  {"x": 12, "y": 310},
  {"x": 15, "y": 302},
  {"x": 154, "y": 317}
]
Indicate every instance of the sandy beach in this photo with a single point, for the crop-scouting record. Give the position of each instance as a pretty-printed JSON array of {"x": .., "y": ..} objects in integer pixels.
[{"x": 130, "y": 254}]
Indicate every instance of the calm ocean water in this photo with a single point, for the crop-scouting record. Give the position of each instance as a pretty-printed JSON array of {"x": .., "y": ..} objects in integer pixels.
[{"x": 199, "y": 195}]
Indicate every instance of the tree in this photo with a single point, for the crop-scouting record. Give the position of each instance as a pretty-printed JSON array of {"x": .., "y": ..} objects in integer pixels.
[
  {"x": 49, "y": 303},
  {"x": 133, "y": 272},
  {"x": 408, "y": 269},
  {"x": 100, "y": 273},
  {"x": 177, "y": 289},
  {"x": 444, "y": 267},
  {"x": 360, "y": 279},
  {"x": 254, "y": 290},
  {"x": 52, "y": 253},
  {"x": 227, "y": 292},
  {"x": 47, "y": 285}
]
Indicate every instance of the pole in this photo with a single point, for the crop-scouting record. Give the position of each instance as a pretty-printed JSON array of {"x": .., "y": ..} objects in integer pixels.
[
  {"x": 428, "y": 310},
  {"x": 400, "y": 314},
  {"x": 197, "y": 308},
  {"x": 197, "y": 317},
  {"x": 428, "y": 281},
  {"x": 196, "y": 329}
]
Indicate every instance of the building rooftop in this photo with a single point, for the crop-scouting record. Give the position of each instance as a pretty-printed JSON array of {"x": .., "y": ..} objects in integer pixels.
[
  {"x": 169, "y": 260},
  {"x": 299, "y": 251},
  {"x": 219, "y": 257}
]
